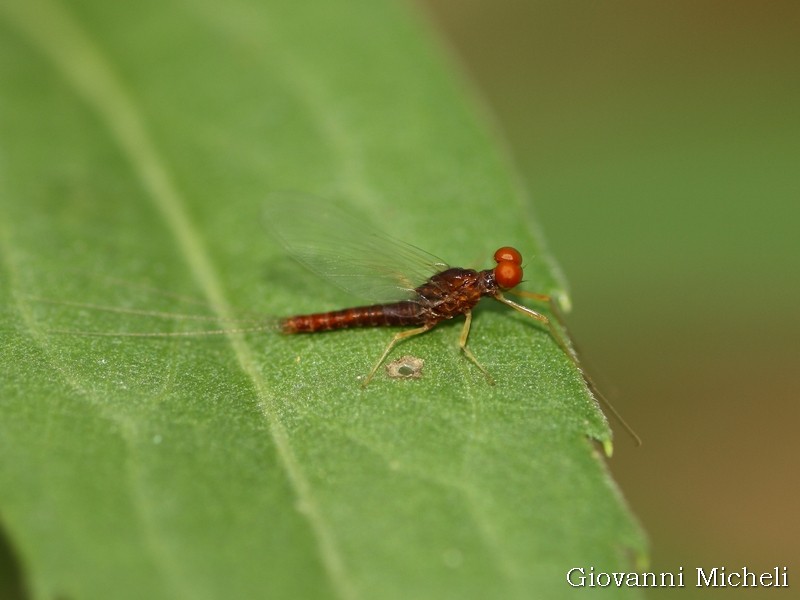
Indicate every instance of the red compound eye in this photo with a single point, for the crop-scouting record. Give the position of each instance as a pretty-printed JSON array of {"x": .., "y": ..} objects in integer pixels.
[
  {"x": 508, "y": 273},
  {"x": 508, "y": 254}
]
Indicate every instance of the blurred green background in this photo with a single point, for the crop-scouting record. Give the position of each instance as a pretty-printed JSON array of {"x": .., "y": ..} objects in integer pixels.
[{"x": 661, "y": 145}]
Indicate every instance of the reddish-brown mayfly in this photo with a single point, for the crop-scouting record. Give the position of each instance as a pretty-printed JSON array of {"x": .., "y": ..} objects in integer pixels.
[
  {"x": 449, "y": 293},
  {"x": 408, "y": 286},
  {"x": 412, "y": 288}
]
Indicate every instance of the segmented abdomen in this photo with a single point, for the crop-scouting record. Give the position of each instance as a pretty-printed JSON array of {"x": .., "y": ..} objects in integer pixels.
[{"x": 378, "y": 315}]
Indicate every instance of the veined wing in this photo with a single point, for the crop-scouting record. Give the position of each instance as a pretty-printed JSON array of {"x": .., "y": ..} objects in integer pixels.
[{"x": 344, "y": 249}]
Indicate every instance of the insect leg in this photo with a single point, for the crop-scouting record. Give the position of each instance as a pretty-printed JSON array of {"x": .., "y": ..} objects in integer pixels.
[
  {"x": 463, "y": 343},
  {"x": 532, "y": 295},
  {"x": 556, "y": 335},
  {"x": 545, "y": 299},
  {"x": 397, "y": 338}
]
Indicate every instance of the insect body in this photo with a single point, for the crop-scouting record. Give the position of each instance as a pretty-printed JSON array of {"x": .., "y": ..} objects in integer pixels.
[{"x": 447, "y": 294}]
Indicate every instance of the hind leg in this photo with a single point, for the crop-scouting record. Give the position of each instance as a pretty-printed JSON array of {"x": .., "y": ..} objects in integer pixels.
[{"x": 395, "y": 340}]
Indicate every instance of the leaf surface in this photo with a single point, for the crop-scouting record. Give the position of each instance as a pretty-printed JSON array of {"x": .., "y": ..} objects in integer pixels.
[{"x": 138, "y": 145}]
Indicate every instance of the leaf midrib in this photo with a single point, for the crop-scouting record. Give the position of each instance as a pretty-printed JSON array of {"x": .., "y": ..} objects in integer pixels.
[{"x": 53, "y": 31}]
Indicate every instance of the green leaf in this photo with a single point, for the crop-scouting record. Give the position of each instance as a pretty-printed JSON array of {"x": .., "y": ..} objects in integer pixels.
[{"x": 139, "y": 143}]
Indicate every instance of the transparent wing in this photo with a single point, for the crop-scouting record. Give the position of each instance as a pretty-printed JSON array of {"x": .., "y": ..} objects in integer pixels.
[{"x": 344, "y": 249}]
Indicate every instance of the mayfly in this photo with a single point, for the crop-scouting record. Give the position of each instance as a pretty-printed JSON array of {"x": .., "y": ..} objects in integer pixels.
[
  {"x": 411, "y": 288},
  {"x": 449, "y": 293},
  {"x": 408, "y": 286}
]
